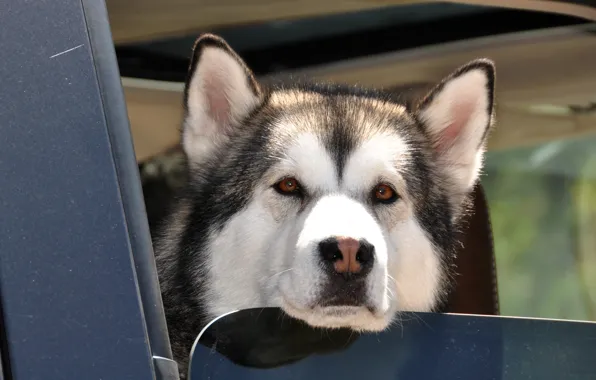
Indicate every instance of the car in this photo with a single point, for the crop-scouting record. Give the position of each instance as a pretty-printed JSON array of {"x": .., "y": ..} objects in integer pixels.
[{"x": 89, "y": 116}]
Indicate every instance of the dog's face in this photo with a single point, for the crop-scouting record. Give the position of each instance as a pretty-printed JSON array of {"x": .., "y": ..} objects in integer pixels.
[{"x": 333, "y": 203}]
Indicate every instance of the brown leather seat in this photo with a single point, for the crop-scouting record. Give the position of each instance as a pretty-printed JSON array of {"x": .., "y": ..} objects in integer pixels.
[{"x": 476, "y": 289}]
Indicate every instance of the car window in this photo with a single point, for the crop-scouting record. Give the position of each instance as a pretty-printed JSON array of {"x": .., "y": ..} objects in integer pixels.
[{"x": 540, "y": 169}]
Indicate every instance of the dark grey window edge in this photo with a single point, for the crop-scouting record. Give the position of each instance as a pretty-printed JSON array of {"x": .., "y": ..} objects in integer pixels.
[{"x": 114, "y": 105}]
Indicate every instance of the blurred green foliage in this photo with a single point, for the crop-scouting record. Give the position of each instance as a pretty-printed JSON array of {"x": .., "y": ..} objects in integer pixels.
[{"x": 544, "y": 224}]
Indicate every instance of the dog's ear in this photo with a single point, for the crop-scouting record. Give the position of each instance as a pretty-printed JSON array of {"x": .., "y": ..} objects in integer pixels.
[
  {"x": 220, "y": 92},
  {"x": 457, "y": 116}
]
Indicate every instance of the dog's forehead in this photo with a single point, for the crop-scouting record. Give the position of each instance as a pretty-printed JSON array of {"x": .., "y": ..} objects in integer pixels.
[
  {"x": 351, "y": 106},
  {"x": 350, "y": 136},
  {"x": 342, "y": 119}
]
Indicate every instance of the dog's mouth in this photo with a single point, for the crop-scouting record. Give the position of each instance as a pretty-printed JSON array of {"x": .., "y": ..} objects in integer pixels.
[
  {"x": 357, "y": 317},
  {"x": 343, "y": 311},
  {"x": 354, "y": 307},
  {"x": 330, "y": 305}
]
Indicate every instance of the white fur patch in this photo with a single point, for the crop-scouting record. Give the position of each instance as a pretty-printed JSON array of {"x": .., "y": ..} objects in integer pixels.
[
  {"x": 414, "y": 266},
  {"x": 239, "y": 261},
  {"x": 377, "y": 159},
  {"x": 309, "y": 162}
]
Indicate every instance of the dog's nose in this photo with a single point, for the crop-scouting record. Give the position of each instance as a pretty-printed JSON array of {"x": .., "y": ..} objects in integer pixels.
[{"x": 347, "y": 255}]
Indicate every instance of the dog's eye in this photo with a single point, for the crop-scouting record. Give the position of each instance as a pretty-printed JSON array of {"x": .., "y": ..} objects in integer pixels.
[
  {"x": 384, "y": 193},
  {"x": 288, "y": 186}
]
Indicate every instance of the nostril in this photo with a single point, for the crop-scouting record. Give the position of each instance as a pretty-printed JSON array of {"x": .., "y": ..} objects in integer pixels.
[
  {"x": 329, "y": 250},
  {"x": 366, "y": 252}
]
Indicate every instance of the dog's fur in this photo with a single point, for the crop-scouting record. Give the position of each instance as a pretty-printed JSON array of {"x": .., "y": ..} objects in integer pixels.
[{"x": 233, "y": 241}]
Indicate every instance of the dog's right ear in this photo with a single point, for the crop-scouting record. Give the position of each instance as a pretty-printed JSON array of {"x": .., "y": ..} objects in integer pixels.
[
  {"x": 220, "y": 92},
  {"x": 457, "y": 116}
]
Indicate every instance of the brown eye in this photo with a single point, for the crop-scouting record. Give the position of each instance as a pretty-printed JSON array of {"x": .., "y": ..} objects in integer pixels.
[
  {"x": 384, "y": 193},
  {"x": 288, "y": 186}
]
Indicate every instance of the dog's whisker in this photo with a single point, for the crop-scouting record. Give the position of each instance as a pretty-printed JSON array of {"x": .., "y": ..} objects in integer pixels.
[
  {"x": 390, "y": 292},
  {"x": 418, "y": 317},
  {"x": 279, "y": 273},
  {"x": 399, "y": 322}
]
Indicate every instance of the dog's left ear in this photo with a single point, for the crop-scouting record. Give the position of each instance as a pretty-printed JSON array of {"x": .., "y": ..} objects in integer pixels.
[{"x": 457, "y": 116}]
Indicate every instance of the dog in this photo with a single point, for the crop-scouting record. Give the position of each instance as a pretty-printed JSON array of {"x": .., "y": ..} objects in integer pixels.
[{"x": 335, "y": 203}]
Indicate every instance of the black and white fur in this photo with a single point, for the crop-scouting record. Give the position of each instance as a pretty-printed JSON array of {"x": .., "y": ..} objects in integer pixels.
[{"x": 233, "y": 241}]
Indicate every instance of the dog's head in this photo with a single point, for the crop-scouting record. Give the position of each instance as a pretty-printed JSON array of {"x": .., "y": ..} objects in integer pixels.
[{"x": 335, "y": 203}]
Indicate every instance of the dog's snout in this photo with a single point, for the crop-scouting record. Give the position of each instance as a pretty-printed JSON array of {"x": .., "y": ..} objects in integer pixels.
[{"x": 347, "y": 255}]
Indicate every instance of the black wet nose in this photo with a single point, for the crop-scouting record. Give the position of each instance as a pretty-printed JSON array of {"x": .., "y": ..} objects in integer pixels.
[{"x": 347, "y": 256}]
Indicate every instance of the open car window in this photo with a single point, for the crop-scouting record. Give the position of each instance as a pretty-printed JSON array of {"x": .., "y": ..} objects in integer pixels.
[{"x": 539, "y": 174}]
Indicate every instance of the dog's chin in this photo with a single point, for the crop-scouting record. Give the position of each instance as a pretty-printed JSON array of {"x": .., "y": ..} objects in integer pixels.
[{"x": 358, "y": 318}]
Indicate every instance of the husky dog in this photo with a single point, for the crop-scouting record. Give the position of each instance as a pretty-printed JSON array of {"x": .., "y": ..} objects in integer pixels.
[{"x": 337, "y": 204}]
